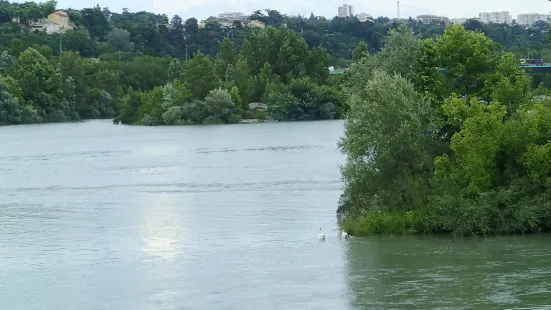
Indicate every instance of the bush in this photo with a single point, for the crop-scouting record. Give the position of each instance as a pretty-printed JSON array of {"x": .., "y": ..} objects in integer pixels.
[
  {"x": 173, "y": 116},
  {"x": 219, "y": 103},
  {"x": 212, "y": 120}
]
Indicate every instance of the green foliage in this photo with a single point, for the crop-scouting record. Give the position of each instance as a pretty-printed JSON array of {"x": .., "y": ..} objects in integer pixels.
[
  {"x": 41, "y": 81},
  {"x": 399, "y": 55},
  {"x": 200, "y": 75},
  {"x": 119, "y": 39},
  {"x": 317, "y": 64},
  {"x": 467, "y": 151},
  {"x": 361, "y": 51},
  {"x": 234, "y": 93},
  {"x": 226, "y": 56},
  {"x": 285, "y": 65},
  {"x": 220, "y": 104},
  {"x": 390, "y": 137}
]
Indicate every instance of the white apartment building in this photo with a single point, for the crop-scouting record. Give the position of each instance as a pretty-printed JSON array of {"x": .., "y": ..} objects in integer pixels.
[
  {"x": 530, "y": 19},
  {"x": 364, "y": 17},
  {"x": 44, "y": 25},
  {"x": 429, "y": 19},
  {"x": 496, "y": 17},
  {"x": 233, "y": 15},
  {"x": 459, "y": 21},
  {"x": 346, "y": 11}
]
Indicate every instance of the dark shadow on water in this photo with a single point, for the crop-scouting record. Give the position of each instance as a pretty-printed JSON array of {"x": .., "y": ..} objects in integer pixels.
[{"x": 428, "y": 272}]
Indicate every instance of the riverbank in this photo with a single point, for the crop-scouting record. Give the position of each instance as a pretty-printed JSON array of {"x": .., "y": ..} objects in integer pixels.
[
  {"x": 256, "y": 121},
  {"x": 472, "y": 220},
  {"x": 375, "y": 223}
]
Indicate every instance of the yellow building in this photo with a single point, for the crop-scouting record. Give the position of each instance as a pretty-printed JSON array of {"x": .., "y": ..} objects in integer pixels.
[
  {"x": 60, "y": 18},
  {"x": 257, "y": 23}
]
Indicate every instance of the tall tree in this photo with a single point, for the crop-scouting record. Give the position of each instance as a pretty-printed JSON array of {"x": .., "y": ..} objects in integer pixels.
[
  {"x": 95, "y": 21},
  {"x": 361, "y": 51},
  {"x": 389, "y": 143},
  {"x": 317, "y": 65},
  {"x": 119, "y": 39},
  {"x": 226, "y": 56},
  {"x": 191, "y": 26},
  {"x": 200, "y": 75}
]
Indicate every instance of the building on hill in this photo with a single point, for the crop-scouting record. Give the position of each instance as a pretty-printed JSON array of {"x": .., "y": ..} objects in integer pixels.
[
  {"x": 530, "y": 19},
  {"x": 364, "y": 17},
  {"x": 57, "y": 22},
  {"x": 233, "y": 15},
  {"x": 61, "y": 18},
  {"x": 227, "y": 20},
  {"x": 257, "y": 24},
  {"x": 345, "y": 11},
  {"x": 496, "y": 17},
  {"x": 430, "y": 19},
  {"x": 459, "y": 21},
  {"x": 44, "y": 25}
]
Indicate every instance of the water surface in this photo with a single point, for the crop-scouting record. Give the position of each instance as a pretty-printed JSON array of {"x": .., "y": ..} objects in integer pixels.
[{"x": 96, "y": 216}]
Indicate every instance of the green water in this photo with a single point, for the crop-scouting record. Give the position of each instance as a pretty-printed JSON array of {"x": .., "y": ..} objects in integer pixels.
[{"x": 96, "y": 216}]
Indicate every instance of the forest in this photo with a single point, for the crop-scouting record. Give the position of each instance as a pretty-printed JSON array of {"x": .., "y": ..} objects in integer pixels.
[
  {"x": 151, "y": 69},
  {"x": 467, "y": 151}
]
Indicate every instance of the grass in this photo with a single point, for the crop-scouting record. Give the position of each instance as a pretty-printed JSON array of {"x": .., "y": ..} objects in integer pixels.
[{"x": 393, "y": 223}]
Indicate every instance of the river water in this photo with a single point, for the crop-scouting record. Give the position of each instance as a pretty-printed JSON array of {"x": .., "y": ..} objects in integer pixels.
[{"x": 97, "y": 216}]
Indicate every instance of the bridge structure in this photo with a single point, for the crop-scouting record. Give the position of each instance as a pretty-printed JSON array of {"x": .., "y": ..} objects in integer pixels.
[{"x": 546, "y": 68}]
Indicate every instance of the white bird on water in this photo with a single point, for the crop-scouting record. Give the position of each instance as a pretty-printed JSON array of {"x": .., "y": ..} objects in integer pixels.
[
  {"x": 321, "y": 236},
  {"x": 344, "y": 234}
]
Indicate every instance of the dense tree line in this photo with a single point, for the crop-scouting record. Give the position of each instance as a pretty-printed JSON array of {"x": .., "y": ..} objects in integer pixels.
[
  {"x": 160, "y": 35},
  {"x": 273, "y": 66},
  {"x": 111, "y": 62},
  {"x": 467, "y": 151}
]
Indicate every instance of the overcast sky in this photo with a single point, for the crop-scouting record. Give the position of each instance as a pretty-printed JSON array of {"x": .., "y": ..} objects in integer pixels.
[{"x": 205, "y": 8}]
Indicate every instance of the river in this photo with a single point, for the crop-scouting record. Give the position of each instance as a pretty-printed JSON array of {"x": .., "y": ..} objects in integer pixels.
[{"x": 97, "y": 216}]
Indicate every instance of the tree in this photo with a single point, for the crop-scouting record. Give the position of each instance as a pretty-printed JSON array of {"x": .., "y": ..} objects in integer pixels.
[
  {"x": 174, "y": 71},
  {"x": 399, "y": 55},
  {"x": 95, "y": 21},
  {"x": 318, "y": 64},
  {"x": 226, "y": 56},
  {"x": 390, "y": 134},
  {"x": 40, "y": 80},
  {"x": 191, "y": 26},
  {"x": 119, "y": 39},
  {"x": 243, "y": 80},
  {"x": 234, "y": 93},
  {"x": 220, "y": 104},
  {"x": 361, "y": 51},
  {"x": 76, "y": 18},
  {"x": 200, "y": 75},
  {"x": 79, "y": 41},
  {"x": 430, "y": 80},
  {"x": 129, "y": 107},
  {"x": 237, "y": 25},
  {"x": 468, "y": 59},
  {"x": 10, "y": 109},
  {"x": 48, "y": 7},
  {"x": 176, "y": 23},
  {"x": 6, "y": 61}
]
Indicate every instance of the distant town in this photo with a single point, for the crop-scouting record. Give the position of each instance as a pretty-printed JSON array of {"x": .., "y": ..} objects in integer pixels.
[
  {"x": 229, "y": 20},
  {"x": 502, "y": 17},
  {"x": 59, "y": 21}
]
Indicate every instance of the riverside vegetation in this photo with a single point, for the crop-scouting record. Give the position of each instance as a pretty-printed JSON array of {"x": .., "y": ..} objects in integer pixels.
[
  {"x": 465, "y": 151},
  {"x": 132, "y": 66}
]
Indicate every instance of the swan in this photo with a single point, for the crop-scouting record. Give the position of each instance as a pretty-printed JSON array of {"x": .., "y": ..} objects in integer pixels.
[
  {"x": 344, "y": 234},
  {"x": 321, "y": 236}
]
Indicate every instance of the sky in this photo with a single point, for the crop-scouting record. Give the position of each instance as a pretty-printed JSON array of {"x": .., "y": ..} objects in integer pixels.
[{"x": 202, "y": 9}]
